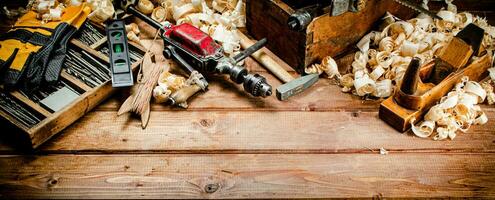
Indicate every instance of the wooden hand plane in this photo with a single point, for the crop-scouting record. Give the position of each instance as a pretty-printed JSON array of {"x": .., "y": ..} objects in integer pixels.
[{"x": 423, "y": 86}]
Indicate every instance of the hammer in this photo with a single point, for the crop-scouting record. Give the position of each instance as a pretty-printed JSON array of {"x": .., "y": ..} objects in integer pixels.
[{"x": 291, "y": 86}]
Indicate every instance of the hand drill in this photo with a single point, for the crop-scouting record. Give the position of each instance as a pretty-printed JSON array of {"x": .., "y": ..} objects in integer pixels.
[{"x": 196, "y": 50}]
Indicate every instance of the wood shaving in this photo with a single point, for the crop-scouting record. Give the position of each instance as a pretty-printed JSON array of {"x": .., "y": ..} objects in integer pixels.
[
  {"x": 456, "y": 111},
  {"x": 490, "y": 95},
  {"x": 220, "y": 21},
  {"x": 102, "y": 10},
  {"x": 383, "y": 151},
  {"x": 145, "y": 6},
  {"x": 47, "y": 10},
  {"x": 159, "y": 14},
  {"x": 131, "y": 36},
  {"x": 385, "y": 54},
  {"x": 327, "y": 66},
  {"x": 132, "y": 27},
  {"x": 169, "y": 83}
]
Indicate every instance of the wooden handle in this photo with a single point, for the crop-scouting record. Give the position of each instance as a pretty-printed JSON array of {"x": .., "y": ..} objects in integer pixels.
[
  {"x": 411, "y": 77},
  {"x": 185, "y": 93},
  {"x": 266, "y": 60}
]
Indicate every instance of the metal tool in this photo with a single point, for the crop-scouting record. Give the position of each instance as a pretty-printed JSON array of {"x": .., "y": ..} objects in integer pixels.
[
  {"x": 301, "y": 18},
  {"x": 418, "y": 8},
  {"x": 86, "y": 68},
  {"x": 291, "y": 85},
  {"x": 468, "y": 40},
  {"x": 18, "y": 111},
  {"x": 88, "y": 34},
  {"x": 119, "y": 54},
  {"x": 59, "y": 99},
  {"x": 195, "y": 50},
  {"x": 48, "y": 90},
  {"x": 423, "y": 86}
]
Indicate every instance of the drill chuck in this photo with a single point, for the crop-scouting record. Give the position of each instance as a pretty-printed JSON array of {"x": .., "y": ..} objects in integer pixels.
[
  {"x": 254, "y": 84},
  {"x": 257, "y": 85}
]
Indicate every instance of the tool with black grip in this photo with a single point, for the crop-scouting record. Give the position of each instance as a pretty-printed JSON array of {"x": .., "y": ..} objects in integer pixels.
[
  {"x": 119, "y": 54},
  {"x": 195, "y": 50},
  {"x": 300, "y": 19}
]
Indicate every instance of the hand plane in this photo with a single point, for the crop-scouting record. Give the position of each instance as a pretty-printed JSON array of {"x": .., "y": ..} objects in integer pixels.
[{"x": 423, "y": 86}]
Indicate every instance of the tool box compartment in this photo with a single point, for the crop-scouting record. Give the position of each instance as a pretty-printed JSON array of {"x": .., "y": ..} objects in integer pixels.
[
  {"x": 325, "y": 36},
  {"x": 36, "y": 117}
]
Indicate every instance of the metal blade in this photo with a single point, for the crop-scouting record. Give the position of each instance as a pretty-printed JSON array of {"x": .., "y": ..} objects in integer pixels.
[{"x": 417, "y": 8}]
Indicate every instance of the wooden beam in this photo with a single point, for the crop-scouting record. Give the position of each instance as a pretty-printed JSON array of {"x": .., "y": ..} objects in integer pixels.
[
  {"x": 223, "y": 94},
  {"x": 248, "y": 176},
  {"x": 254, "y": 132}
]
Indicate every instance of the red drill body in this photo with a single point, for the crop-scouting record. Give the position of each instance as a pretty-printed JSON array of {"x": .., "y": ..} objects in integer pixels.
[{"x": 193, "y": 39}]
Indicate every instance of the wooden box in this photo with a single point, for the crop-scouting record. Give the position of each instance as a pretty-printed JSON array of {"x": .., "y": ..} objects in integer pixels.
[
  {"x": 50, "y": 123},
  {"x": 326, "y": 35}
]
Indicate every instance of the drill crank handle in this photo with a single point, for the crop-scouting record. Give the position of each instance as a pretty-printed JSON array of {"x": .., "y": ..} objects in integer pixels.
[{"x": 169, "y": 52}]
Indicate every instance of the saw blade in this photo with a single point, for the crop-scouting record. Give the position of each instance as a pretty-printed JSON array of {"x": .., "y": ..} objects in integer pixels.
[{"x": 417, "y": 8}]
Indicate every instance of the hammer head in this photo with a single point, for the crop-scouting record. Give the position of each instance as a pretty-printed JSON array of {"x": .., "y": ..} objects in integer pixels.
[{"x": 296, "y": 86}]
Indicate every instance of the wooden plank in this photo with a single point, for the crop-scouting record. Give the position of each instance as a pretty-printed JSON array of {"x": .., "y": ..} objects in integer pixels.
[
  {"x": 226, "y": 95},
  {"x": 99, "y": 43},
  {"x": 253, "y": 132},
  {"x": 73, "y": 80},
  {"x": 248, "y": 176}
]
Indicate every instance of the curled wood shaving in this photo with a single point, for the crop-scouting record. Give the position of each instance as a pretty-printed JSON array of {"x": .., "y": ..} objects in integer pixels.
[
  {"x": 102, "y": 10},
  {"x": 159, "y": 14},
  {"x": 383, "y": 151},
  {"x": 456, "y": 111},
  {"x": 490, "y": 95},
  {"x": 132, "y": 27},
  {"x": 133, "y": 37},
  {"x": 145, "y": 6},
  {"x": 327, "y": 66},
  {"x": 220, "y": 20},
  {"x": 47, "y": 10},
  {"x": 385, "y": 54},
  {"x": 167, "y": 84}
]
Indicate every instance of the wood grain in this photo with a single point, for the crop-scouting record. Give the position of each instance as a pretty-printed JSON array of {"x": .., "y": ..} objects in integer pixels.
[
  {"x": 321, "y": 144},
  {"x": 247, "y": 176},
  {"x": 252, "y": 132},
  {"x": 223, "y": 94}
]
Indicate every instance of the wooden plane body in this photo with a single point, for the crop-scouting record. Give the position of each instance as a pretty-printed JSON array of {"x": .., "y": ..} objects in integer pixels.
[{"x": 399, "y": 109}]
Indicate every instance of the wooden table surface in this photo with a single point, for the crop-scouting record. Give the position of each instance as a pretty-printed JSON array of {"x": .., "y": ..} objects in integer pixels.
[{"x": 323, "y": 143}]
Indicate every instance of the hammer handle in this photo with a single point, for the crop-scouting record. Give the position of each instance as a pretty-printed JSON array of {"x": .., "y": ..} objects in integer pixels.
[{"x": 265, "y": 60}]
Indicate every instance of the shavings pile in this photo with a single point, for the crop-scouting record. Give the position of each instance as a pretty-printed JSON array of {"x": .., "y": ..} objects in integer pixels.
[
  {"x": 384, "y": 55},
  {"x": 456, "y": 111},
  {"x": 219, "y": 18},
  {"x": 488, "y": 87},
  {"x": 328, "y": 65},
  {"x": 47, "y": 10},
  {"x": 102, "y": 10},
  {"x": 52, "y": 10},
  {"x": 169, "y": 83}
]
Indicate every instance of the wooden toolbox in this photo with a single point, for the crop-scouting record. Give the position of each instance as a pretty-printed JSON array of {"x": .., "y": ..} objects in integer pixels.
[
  {"x": 36, "y": 121},
  {"x": 325, "y": 35}
]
